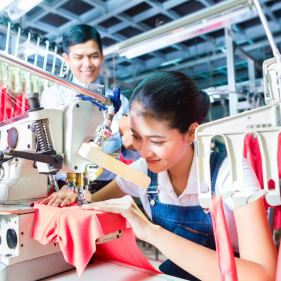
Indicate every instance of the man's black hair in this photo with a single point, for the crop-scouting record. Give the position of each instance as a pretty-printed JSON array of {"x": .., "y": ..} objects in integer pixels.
[{"x": 78, "y": 34}]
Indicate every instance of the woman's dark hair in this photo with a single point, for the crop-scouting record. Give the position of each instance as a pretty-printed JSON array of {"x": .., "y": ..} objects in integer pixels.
[
  {"x": 78, "y": 34},
  {"x": 172, "y": 97}
]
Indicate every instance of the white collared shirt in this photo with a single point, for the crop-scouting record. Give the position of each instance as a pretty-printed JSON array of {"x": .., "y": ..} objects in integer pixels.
[
  {"x": 58, "y": 95},
  {"x": 189, "y": 197}
]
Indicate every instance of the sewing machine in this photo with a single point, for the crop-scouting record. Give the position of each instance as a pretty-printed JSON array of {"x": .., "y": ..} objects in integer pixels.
[{"x": 34, "y": 147}]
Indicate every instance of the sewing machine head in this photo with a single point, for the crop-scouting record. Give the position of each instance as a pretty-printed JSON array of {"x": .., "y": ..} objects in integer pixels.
[{"x": 57, "y": 135}]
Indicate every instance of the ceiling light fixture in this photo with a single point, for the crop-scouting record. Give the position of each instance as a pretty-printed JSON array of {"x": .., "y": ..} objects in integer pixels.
[
  {"x": 4, "y": 4},
  {"x": 187, "y": 32},
  {"x": 18, "y": 8}
]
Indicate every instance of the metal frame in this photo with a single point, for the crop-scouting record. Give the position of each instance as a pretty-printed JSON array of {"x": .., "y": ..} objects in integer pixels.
[{"x": 11, "y": 60}]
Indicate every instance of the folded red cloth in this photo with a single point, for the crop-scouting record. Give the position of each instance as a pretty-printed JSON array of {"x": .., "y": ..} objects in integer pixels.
[
  {"x": 77, "y": 229},
  {"x": 225, "y": 254}
]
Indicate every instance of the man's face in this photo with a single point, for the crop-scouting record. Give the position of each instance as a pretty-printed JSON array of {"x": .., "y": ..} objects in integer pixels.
[{"x": 85, "y": 61}]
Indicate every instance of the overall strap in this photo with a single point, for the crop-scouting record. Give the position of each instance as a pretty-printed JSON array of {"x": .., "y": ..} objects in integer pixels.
[
  {"x": 216, "y": 161},
  {"x": 152, "y": 190}
]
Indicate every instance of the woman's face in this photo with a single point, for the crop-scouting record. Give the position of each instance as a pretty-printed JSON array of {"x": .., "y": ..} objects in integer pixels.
[{"x": 160, "y": 146}]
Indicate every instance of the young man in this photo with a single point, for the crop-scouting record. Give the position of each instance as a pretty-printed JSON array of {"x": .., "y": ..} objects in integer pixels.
[{"x": 83, "y": 54}]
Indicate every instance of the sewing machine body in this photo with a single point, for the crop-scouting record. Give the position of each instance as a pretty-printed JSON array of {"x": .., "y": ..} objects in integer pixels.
[{"x": 67, "y": 127}]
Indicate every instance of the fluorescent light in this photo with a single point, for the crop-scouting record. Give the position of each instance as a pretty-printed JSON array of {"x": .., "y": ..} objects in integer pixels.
[
  {"x": 27, "y": 4},
  {"x": 20, "y": 8},
  {"x": 187, "y": 32},
  {"x": 175, "y": 61},
  {"x": 4, "y": 4},
  {"x": 29, "y": 52}
]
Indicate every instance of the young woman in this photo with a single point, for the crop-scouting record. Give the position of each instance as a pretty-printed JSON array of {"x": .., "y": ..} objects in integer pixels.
[{"x": 166, "y": 108}]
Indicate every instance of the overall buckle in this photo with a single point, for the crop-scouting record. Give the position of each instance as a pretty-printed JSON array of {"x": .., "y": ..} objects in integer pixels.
[{"x": 152, "y": 201}]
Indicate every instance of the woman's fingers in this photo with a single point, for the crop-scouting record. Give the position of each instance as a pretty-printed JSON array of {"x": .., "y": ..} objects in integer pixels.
[
  {"x": 68, "y": 200},
  {"x": 53, "y": 199},
  {"x": 46, "y": 200},
  {"x": 57, "y": 200},
  {"x": 115, "y": 209},
  {"x": 60, "y": 198},
  {"x": 127, "y": 208},
  {"x": 123, "y": 206},
  {"x": 126, "y": 200}
]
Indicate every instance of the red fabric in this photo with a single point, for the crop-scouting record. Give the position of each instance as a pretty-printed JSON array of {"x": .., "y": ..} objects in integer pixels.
[
  {"x": 6, "y": 105},
  {"x": 127, "y": 162},
  {"x": 21, "y": 105},
  {"x": 225, "y": 255},
  {"x": 253, "y": 155},
  {"x": 77, "y": 229}
]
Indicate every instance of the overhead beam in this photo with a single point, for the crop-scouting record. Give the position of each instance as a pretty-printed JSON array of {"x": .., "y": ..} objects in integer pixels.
[
  {"x": 194, "y": 62},
  {"x": 245, "y": 55}
]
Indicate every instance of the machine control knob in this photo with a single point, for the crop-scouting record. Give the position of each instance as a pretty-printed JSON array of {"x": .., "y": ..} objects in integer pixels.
[
  {"x": 12, "y": 238},
  {"x": 59, "y": 159},
  {"x": 33, "y": 101},
  {"x": 13, "y": 138}
]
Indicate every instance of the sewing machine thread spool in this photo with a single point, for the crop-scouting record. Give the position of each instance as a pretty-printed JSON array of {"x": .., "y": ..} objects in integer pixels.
[
  {"x": 70, "y": 180},
  {"x": 79, "y": 185},
  {"x": 79, "y": 180},
  {"x": 70, "y": 177}
]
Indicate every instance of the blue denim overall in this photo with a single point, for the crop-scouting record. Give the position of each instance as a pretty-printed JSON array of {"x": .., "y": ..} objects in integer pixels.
[{"x": 192, "y": 223}]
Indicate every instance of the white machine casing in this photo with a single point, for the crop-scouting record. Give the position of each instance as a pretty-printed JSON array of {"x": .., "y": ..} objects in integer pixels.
[
  {"x": 67, "y": 127},
  {"x": 18, "y": 180}
]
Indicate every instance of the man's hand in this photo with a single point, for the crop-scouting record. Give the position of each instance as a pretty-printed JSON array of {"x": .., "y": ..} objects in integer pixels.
[
  {"x": 124, "y": 125},
  {"x": 127, "y": 140}
]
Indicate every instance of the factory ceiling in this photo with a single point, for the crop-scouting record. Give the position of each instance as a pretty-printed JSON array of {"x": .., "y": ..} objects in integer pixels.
[{"x": 203, "y": 57}]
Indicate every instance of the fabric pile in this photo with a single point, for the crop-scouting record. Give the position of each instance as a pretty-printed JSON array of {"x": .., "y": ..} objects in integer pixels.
[{"x": 77, "y": 230}]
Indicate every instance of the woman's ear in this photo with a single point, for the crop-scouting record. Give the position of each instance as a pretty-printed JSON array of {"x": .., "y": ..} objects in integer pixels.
[{"x": 190, "y": 135}]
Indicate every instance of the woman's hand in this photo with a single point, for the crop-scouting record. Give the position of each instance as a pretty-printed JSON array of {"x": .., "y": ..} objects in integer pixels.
[
  {"x": 63, "y": 198},
  {"x": 127, "y": 208}
]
